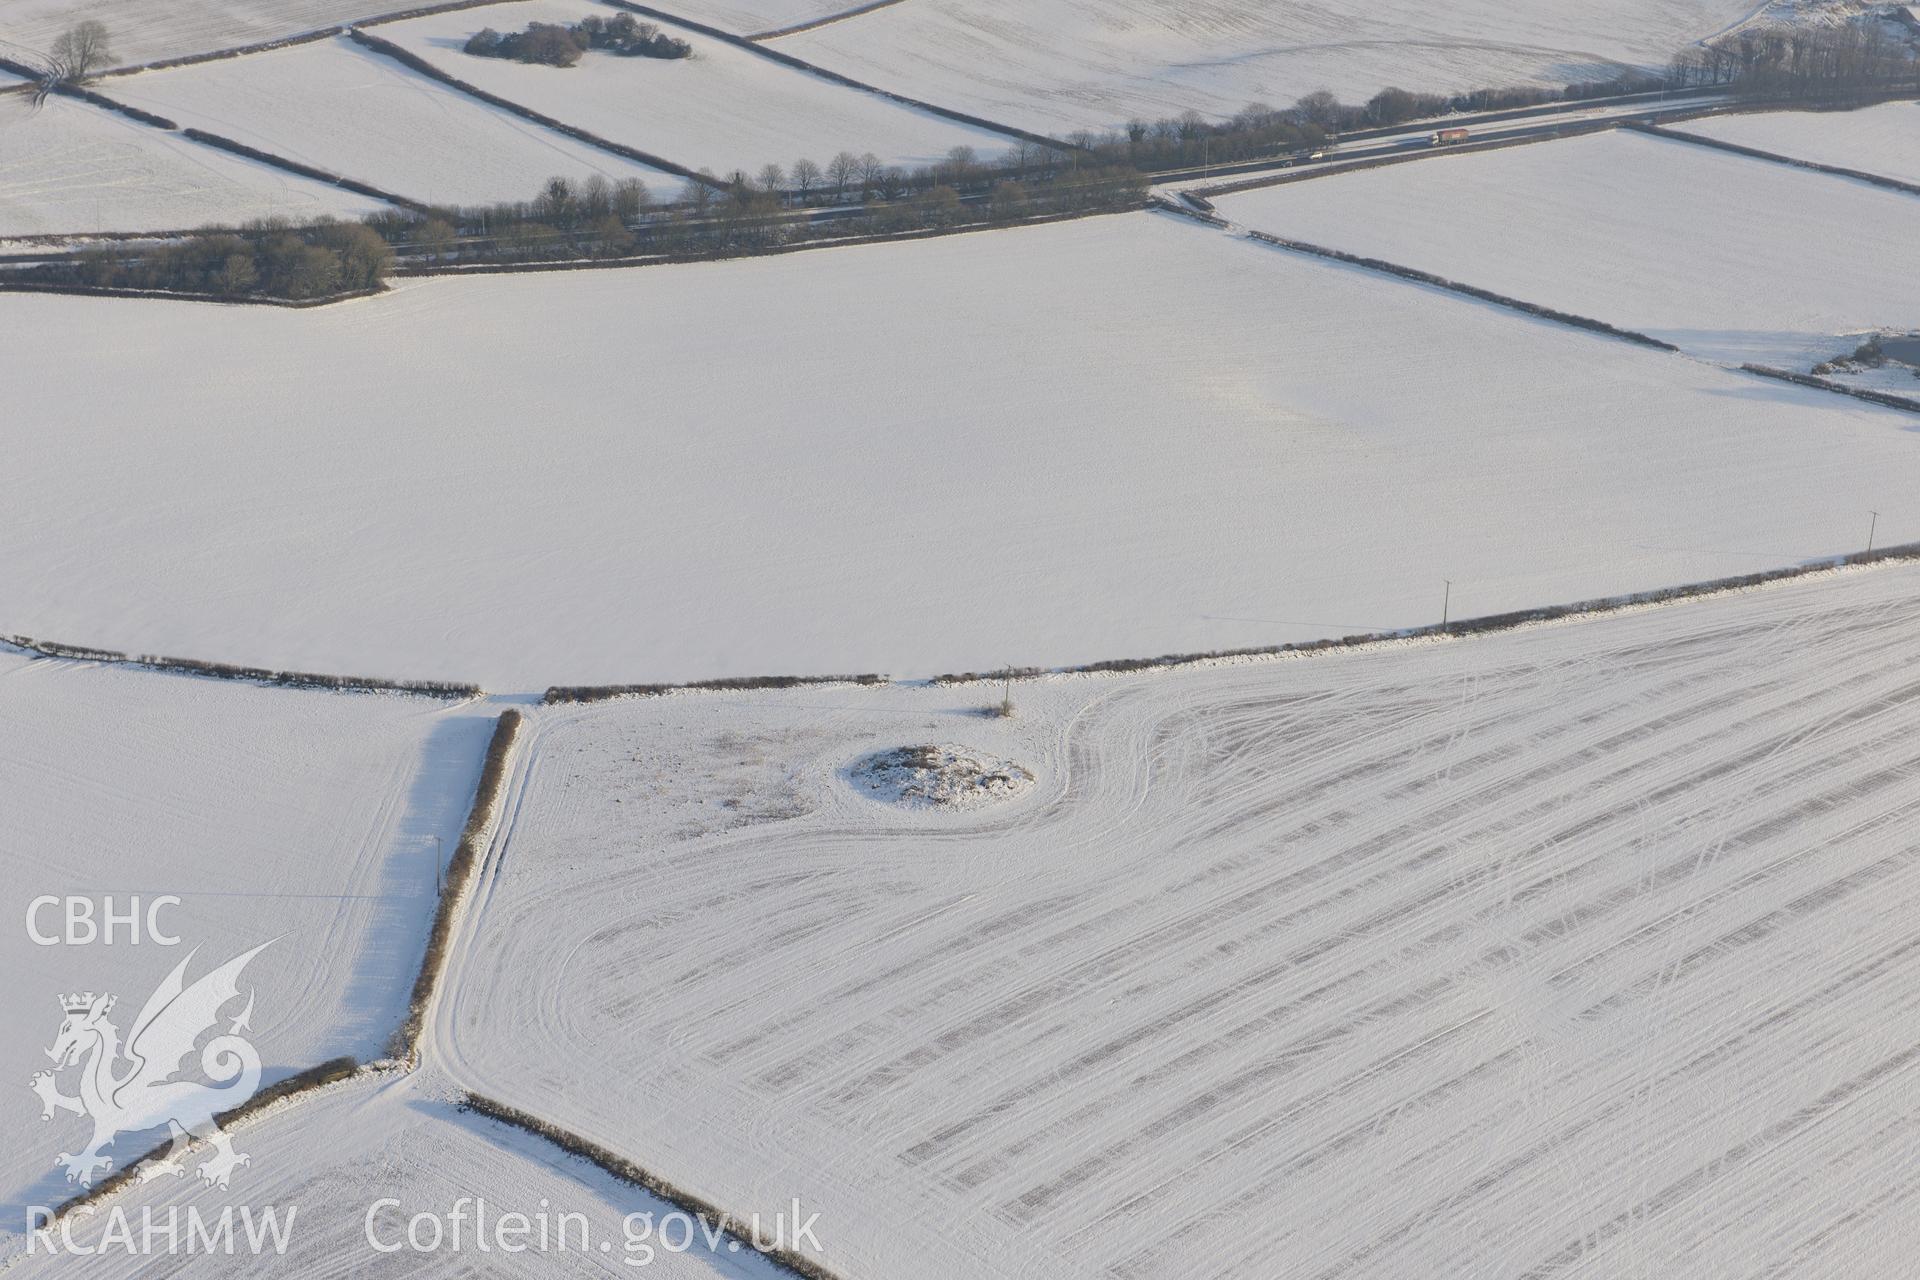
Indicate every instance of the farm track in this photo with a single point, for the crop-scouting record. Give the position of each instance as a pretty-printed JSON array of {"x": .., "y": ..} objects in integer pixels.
[{"x": 1550, "y": 954}]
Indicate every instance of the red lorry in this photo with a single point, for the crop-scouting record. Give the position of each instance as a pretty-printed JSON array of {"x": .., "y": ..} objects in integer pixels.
[{"x": 1448, "y": 137}]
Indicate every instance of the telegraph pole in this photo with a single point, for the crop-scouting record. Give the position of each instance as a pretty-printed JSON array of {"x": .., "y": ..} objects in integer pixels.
[
  {"x": 439, "y": 874},
  {"x": 1873, "y": 527},
  {"x": 1446, "y": 606}
]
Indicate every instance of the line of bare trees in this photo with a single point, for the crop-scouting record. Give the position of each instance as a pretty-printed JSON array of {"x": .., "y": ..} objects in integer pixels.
[
  {"x": 1798, "y": 61},
  {"x": 1261, "y": 131},
  {"x": 715, "y": 217}
]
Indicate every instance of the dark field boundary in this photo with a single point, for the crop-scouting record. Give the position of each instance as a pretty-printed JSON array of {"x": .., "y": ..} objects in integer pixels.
[
  {"x": 1487, "y": 625},
  {"x": 1885, "y": 399},
  {"x": 218, "y": 299},
  {"x": 602, "y": 693},
  {"x": 827, "y": 21},
  {"x": 432, "y": 969},
  {"x": 1533, "y": 309},
  {"x": 229, "y": 145},
  {"x": 625, "y": 1170},
  {"x": 1773, "y": 157},
  {"x": 319, "y": 1076},
  {"x": 307, "y": 37},
  {"x": 799, "y": 64},
  {"x": 254, "y": 675},
  {"x": 405, "y": 1042},
  {"x": 304, "y": 170},
  {"x": 414, "y": 62}
]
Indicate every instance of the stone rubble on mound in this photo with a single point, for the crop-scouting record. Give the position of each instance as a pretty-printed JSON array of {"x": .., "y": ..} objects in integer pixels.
[{"x": 939, "y": 777}]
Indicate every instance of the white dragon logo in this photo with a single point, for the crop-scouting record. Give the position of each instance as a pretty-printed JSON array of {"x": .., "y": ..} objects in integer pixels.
[{"x": 145, "y": 1094}]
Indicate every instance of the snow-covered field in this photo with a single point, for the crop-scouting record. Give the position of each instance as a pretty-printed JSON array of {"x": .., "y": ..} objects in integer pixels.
[
  {"x": 1581, "y": 950},
  {"x": 749, "y": 17},
  {"x": 333, "y": 1157},
  {"x": 351, "y": 111},
  {"x": 151, "y": 30},
  {"x": 1884, "y": 140},
  {"x": 304, "y": 818},
  {"x": 1060, "y": 65},
  {"x": 71, "y": 167},
  {"x": 1727, "y": 257},
  {"x": 723, "y": 109},
  {"x": 1115, "y": 437}
]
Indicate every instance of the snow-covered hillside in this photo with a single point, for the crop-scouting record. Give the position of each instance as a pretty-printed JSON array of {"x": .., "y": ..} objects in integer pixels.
[
  {"x": 1585, "y": 950},
  {"x": 348, "y": 110},
  {"x": 723, "y": 109},
  {"x": 746, "y": 17},
  {"x": 70, "y": 167},
  {"x": 1060, "y": 65},
  {"x": 148, "y": 32}
]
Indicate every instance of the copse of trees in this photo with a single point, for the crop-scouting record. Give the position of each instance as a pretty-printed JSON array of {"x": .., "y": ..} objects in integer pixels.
[
  {"x": 552, "y": 45},
  {"x": 627, "y": 36},
  {"x": 266, "y": 259},
  {"x": 1780, "y": 61}
]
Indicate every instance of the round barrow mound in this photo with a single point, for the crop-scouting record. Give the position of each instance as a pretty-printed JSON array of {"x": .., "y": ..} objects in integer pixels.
[{"x": 944, "y": 777}]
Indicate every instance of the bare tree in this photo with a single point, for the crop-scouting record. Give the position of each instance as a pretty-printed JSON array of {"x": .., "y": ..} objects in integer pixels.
[
  {"x": 596, "y": 198},
  {"x": 773, "y": 178},
  {"x": 806, "y": 176},
  {"x": 1322, "y": 108},
  {"x": 1009, "y": 200},
  {"x": 840, "y": 171},
  {"x": 697, "y": 193},
  {"x": 80, "y": 51},
  {"x": 631, "y": 198},
  {"x": 872, "y": 172},
  {"x": 435, "y": 236}
]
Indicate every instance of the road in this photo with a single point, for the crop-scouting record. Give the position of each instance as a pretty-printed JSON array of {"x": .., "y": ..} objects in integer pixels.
[{"x": 1533, "y": 123}]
